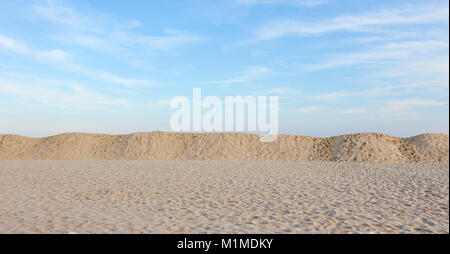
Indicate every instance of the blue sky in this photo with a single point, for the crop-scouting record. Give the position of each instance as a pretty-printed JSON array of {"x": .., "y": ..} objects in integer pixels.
[{"x": 337, "y": 66}]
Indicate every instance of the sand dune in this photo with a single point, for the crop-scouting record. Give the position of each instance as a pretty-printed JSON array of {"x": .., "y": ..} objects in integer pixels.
[{"x": 362, "y": 147}]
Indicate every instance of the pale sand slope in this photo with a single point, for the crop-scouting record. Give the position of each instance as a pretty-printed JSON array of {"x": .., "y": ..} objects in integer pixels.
[
  {"x": 364, "y": 147},
  {"x": 222, "y": 197}
]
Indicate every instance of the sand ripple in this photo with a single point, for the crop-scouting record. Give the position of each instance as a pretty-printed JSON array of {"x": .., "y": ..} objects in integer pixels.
[{"x": 222, "y": 197}]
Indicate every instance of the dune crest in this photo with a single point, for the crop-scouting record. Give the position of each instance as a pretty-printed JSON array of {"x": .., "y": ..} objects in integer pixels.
[{"x": 361, "y": 147}]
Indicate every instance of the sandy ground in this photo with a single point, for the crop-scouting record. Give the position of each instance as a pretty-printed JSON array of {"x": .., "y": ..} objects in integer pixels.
[{"x": 222, "y": 197}]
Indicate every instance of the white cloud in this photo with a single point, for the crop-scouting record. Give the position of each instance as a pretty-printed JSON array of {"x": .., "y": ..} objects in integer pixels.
[
  {"x": 375, "y": 56},
  {"x": 107, "y": 77},
  {"x": 72, "y": 96},
  {"x": 18, "y": 47},
  {"x": 13, "y": 45},
  {"x": 170, "y": 39},
  {"x": 409, "y": 65},
  {"x": 307, "y": 3},
  {"x": 160, "y": 103},
  {"x": 432, "y": 70},
  {"x": 390, "y": 53},
  {"x": 369, "y": 22},
  {"x": 249, "y": 74},
  {"x": 331, "y": 96},
  {"x": 90, "y": 42},
  {"x": 54, "y": 54},
  {"x": 402, "y": 105},
  {"x": 103, "y": 32},
  {"x": 383, "y": 91},
  {"x": 407, "y": 46},
  {"x": 353, "y": 111},
  {"x": 53, "y": 10},
  {"x": 310, "y": 109},
  {"x": 62, "y": 60},
  {"x": 279, "y": 91}
]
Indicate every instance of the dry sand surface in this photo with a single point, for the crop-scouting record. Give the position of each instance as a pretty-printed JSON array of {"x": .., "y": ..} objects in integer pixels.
[
  {"x": 223, "y": 197},
  {"x": 363, "y": 147}
]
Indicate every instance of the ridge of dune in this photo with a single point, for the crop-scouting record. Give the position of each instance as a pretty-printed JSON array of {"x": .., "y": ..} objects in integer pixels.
[{"x": 360, "y": 147}]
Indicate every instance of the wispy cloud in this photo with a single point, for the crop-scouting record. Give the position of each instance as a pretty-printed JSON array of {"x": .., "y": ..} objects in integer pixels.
[
  {"x": 16, "y": 46},
  {"x": 107, "y": 77},
  {"x": 390, "y": 53},
  {"x": 63, "y": 61},
  {"x": 381, "y": 92},
  {"x": 104, "y": 32},
  {"x": 370, "y": 22},
  {"x": 249, "y": 74},
  {"x": 307, "y": 3},
  {"x": 310, "y": 109},
  {"x": 170, "y": 39},
  {"x": 407, "y": 46},
  {"x": 160, "y": 103},
  {"x": 352, "y": 111},
  {"x": 61, "y": 96},
  {"x": 402, "y": 105},
  {"x": 56, "y": 11},
  {"x": 278, "y": 91}
]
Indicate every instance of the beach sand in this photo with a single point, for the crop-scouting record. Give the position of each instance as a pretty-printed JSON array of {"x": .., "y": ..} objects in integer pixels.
[
  {"x": 95, "y": 196},
  {"x": 359, "y": 147}
]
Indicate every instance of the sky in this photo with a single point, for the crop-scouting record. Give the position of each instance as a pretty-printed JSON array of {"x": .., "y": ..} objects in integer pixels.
[{"x": 112, "y": 66}]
